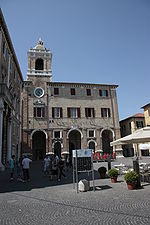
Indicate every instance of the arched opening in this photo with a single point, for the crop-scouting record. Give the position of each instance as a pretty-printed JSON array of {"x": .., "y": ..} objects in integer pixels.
[
  {"x": 92, "y": 146},
  {"x": 38, "y": 145},
  {"x": 107, "y": 137},
  {"x": 39, "y": 64},
  {"x": 57, "y": 149},
  {"x": 74, "y": 142}
]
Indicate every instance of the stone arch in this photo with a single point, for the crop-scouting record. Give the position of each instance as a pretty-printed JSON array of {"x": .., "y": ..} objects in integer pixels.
[
  {"x": 74, "y": 136},
  {"x": 92, "y": 144},
  {"x": 39, "y": 64},
  {"x": 107, "y": 129},
  {"x": 38, "y": 138},
  {"x": 74, "y": 129},
  {"x": 57, "y": 148},
  {"x": 38, "y": 130},
  {"x": 107, "y": 136}
]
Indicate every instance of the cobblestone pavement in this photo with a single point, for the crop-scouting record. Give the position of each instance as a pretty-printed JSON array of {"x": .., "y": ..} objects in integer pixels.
[{"x": 45, "y": 202}]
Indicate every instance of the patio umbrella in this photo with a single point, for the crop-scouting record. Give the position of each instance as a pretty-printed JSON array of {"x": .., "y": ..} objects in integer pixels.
[
  {"x": 65, "y": 153},
  {"x": 139, "y": 136},
  {"x": 99, "y": 150},
  {"x": 49, "y": 153}
]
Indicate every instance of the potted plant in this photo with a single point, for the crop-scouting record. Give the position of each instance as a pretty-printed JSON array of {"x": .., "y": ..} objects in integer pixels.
[
  {"x": 113, "y": 174},
  {"x": 131, "y": 179},
  {"x": 102, "y": 171}
]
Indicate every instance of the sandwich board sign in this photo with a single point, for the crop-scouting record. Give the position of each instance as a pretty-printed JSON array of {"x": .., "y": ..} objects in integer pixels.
[{"x": 82, "y": 162}]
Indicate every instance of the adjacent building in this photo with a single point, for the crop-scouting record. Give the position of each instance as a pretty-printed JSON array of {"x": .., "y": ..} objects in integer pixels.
[
  {"x": 61, "y": 116},
  {"x": 147, "y": 114},
  {"x": 128, "y": 126},
  {"x": 11, "y": 82}
]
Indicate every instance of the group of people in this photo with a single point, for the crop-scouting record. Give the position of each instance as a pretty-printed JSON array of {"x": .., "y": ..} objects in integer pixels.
[
  {"x": 54, "y": 166},
  {"x": 22, "y": 166}
]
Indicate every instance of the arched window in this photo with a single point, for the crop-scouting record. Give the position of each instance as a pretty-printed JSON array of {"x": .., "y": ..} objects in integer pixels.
[{"x": 39, "y": 64}]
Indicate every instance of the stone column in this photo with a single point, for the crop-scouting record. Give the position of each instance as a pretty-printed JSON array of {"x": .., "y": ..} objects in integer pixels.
[
  {"x": 1, "y": 133},
  {"x": 9, "y": 130},
  {"x": 98, "y": 141},
  {"x": 65, "y": 148},
  {"x": 84, "y": 139}
]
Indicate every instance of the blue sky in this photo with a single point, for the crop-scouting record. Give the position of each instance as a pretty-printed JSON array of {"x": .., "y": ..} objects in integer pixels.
[{"x": 93, "y": 41}]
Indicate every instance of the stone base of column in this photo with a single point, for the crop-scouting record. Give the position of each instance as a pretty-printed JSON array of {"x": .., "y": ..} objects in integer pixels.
[
  {"x": 119, "y": 153},
  {"x": 2, "y": 167}
]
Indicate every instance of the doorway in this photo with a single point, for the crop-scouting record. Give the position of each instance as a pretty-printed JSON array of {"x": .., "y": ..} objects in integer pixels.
[{"x": 38, "y": 145}]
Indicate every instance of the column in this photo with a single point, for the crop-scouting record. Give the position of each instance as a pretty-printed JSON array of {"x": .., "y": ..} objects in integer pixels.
[
  {"x": 1, "y": 133},
  {"x": 9, "y": 130}
]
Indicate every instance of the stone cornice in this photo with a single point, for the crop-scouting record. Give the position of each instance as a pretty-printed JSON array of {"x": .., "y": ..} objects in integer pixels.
[{"x": 88, "y": 85}]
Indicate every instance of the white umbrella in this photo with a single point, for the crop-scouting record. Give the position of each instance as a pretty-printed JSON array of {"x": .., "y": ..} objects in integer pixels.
[
  {"x": 139, "y": 136},
  {"x": 65, "y": 153},
  {"x": 49, "y": 153},
  {"x": 99, "y": 150},
  {"x": 144, "y": 146}
]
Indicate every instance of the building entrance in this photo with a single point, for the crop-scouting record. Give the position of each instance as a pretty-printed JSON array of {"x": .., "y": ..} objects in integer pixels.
[
  {"x": 38, "y": 145},
  {"x": 57, "y": 149},
  {"x": 74, "y": 142}
]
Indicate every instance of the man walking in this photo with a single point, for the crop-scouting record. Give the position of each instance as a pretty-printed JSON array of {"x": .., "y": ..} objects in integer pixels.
[
  {"x": 26, "y": 165},
  {"x": 12, "y": 167}
]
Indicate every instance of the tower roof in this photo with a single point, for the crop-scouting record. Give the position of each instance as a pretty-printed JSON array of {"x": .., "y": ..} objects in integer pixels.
[{"x": 40, "y": 45}]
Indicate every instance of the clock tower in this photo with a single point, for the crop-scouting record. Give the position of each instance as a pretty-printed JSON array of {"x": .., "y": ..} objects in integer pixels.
[{"x": 36, "y": 102}]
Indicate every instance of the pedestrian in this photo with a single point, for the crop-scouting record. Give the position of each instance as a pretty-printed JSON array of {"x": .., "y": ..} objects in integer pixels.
[
  {"x": 12, "y": 167},
  {"x": 26, "y": 165},
  {"x": 60, "y": 169},
  {"x": 46, "y": 165},
  {"x": 19, "y": 170}
]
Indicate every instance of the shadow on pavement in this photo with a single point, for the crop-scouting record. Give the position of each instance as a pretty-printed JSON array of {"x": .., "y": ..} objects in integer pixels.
[{"x": 38, "y": 180}]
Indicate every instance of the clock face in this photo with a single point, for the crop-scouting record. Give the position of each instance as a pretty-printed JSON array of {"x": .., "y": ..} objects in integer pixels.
[{"x": 39, "y": 92}]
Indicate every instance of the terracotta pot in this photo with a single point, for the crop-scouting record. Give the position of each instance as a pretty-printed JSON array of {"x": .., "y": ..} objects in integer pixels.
[
  {"x": 113, "y": 179},
  {"x": 131, "y": 186}
]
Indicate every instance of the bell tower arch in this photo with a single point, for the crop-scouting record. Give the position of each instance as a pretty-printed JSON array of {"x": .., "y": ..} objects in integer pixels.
[{"x": 39, "y": 63}]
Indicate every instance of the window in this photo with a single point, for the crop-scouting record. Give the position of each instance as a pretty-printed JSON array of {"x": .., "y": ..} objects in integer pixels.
[
  {"x": 130, "y": 126},
  {"x": 73, "y": 112},
  {"x": 105, "y": 112},
  {"x": 56, "y": 91},
  {"x": 91, "y": 133},
  {"x": 39, "y": 112},
  {"x": 57, "y": 112},
  {"x": 103, "y": 93},
  {"x": 57, "y": 134},
  {"x": 72, "y": 91},
  {"x": 39, "y": 64},
  {"x": 89, "y": 112},
  {"x": 88, "y": 92},
  {"x": 139, "y": 124}
]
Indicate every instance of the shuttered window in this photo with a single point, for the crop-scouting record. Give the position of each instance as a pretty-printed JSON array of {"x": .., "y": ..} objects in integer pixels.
[
  {"x": 89, "y": 112},
  {"x": 105, "y": 112},
  {"x": 39, "y": 112},
  {"x": 73, "y": 112},
  {"x": 103, "y": 93},
  {"x": 56, "y": 91},
  {"x": 72, "y": 91},
  {"x": 57, "y": 112}
]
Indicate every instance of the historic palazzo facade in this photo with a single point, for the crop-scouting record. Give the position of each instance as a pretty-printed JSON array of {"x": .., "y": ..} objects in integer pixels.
[
  {"x": 11, "y": 82},
  {"x": 59, "y": 116}
]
